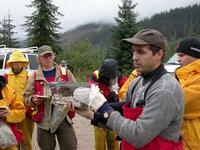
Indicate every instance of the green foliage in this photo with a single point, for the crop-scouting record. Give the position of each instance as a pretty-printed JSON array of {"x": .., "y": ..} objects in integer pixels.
[
  {"x": 171, "y": 48},
  {"x": 82, "y": 58},
  {"x": 181, "y": 22},
  {"x": 6, "y": 32},
  {"x": 42, "y": 25},
  {"x": 126, "y": 28}
]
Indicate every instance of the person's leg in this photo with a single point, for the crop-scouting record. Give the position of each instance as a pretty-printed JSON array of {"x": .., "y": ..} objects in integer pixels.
[
  {"x": 10, "y": 148},
  {"x": 100, "y": 136},
  {"x": 66, "y": 136},
  {"x": 46, "y": 140},
  {"x": 27, "y": 127},
  {"x": 112, "y": 143}
]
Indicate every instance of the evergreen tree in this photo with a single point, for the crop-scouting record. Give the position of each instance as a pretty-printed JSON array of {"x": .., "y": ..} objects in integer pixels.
[
  {"x": 82, "y": 58},
  {"x": 6, "y": 32},
  {"x": 126, "y": 27},
  {"x": 42, "y": 25}
]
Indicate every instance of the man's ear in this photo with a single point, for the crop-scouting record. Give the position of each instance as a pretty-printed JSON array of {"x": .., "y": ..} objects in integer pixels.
[
  {"x": 54, "y": 56},
  {"x": 160, "y": 54}
]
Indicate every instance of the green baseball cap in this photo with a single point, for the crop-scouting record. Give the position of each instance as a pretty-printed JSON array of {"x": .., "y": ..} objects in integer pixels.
[
  {"x": 45, "y": 49},
  {"x": 148, "y": 36}
]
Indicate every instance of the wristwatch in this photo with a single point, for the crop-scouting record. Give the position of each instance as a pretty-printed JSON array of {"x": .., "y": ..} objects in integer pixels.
[{"x": 106, "y": 115}]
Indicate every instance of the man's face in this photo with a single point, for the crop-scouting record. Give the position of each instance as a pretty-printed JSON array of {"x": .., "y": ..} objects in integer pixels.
[
  {"x": 47, "y": 60},
  {"x": 144, "y": 60},
  {"x": 17, "y": 67},
  {"x": 185, "y": 59}
]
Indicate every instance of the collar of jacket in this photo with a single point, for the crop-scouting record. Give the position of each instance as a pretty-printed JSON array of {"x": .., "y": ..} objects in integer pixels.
[
  {"x": 153, "y": 74},
  {"x": 192, "y": 68},
  {"x": 22, "y": 73},
  {"x": 40, "y": 75}
]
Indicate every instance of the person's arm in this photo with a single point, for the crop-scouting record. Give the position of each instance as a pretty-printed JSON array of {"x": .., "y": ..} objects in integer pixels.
[
  {"x": 16, "y": 108},
  {"x": 29, "y": 91},
  {"x": 157, "y": 114},
  {"x": 192, "y": 103}
]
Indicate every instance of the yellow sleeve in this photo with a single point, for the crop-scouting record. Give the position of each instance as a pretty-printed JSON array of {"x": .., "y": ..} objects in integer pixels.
[
  {"x": 124, "y": 88},
  {"x": 17, "y": 109},
  {"x": 192, "y": 97}
]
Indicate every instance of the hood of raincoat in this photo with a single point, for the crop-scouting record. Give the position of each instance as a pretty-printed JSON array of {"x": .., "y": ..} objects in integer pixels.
[{"x": 17, "y": 56}]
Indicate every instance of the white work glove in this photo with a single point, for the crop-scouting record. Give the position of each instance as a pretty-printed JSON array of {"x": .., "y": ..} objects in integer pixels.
[
  {"x": 96, "y": 98},
  {"x": 90, "y": 97},
  {"x": 81, "y": 97},
  {"x": 115, "y": 88}
]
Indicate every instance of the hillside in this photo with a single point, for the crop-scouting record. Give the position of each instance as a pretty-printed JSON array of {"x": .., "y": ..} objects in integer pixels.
[
  {"x": 179, "y": 22},
  {"x": 97, "y": 34}
]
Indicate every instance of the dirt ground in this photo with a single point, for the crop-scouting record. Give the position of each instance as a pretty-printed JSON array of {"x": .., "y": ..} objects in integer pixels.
[{"x": 84, "y": 132}]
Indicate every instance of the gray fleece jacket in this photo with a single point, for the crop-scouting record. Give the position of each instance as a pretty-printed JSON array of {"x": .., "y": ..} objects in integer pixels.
[{"x": 162, "y": 114}]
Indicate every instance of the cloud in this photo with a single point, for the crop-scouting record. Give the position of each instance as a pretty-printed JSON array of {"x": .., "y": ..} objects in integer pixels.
[{"x": 78, "y": 12}]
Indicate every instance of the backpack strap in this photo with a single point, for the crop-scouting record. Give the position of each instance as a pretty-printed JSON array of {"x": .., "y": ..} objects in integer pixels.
[{"x": 154, "y": 79}]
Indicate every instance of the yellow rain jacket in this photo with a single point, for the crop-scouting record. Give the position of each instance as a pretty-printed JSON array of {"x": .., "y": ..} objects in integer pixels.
[
  {"x": 124, "y": 88},
  {"x": 189, "y": 78},
  {"x": 18, "y": 83},
  {"x": 17, "y": 108}
]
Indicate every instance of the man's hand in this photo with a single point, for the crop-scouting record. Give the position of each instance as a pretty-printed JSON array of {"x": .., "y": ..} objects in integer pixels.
[
  {"x": 86, "y": 113},
  {"x": 4, "y": 113},
  {"x": 90, "y": 97},
  {"x": 113, "y": 97},
  {"x": 96, "y": 100}
]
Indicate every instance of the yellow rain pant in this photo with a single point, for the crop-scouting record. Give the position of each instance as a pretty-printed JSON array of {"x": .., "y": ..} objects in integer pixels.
[
  {"x": 105, "y": 138},
  {"x": 27, "y": 127},
  {"x": 10, "y": 148}
]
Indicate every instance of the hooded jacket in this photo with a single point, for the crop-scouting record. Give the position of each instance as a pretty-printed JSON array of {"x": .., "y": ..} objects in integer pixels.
[
  {"x": 17, "y": 81},
  {"x": 8, "y": 98},
  {"x": 17, "y": 56},
  {"x": 189, "y": 78}
]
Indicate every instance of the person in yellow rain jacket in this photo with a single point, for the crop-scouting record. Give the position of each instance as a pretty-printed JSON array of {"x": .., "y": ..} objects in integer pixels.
[
  {"x": 188, "y": 74},
  {"x": 14, "y": 113},
  {"x": 124, "y": 88},
  {"x": 17, "y": 78}
]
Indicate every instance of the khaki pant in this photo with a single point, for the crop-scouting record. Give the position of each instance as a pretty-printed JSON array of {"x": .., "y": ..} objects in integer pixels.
[
  {"x": 65, "y": 135},
  {"x": 105, "y": 139},
  {"x": 27, "y": 127}
]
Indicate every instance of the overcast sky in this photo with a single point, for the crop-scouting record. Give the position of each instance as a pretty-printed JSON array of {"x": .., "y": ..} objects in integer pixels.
[{"x": 78, "y": 12}]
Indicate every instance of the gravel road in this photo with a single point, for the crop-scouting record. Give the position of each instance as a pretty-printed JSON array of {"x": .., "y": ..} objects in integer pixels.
[{"x": 84, "y": 132}]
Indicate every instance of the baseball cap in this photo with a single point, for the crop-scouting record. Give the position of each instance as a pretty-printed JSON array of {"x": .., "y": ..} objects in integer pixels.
[
  {"x": 45, "y": 49},
  {"x": 189, "y": 46},
  {"x": 148, "y": 36}
]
